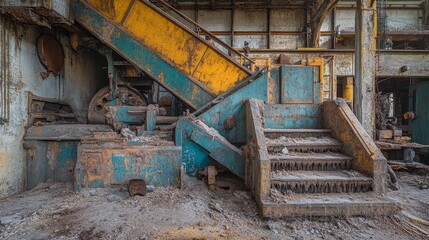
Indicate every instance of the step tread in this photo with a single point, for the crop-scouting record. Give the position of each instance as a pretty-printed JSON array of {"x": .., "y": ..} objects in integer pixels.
[
  {"x": 328, "y": 204},
  {"x": 326, "y": 198},
  {"x": 303, "y": 142},
  {"x": 309, "y": 156},
  {"x": 344, "y": 175},
  {"x": 300, "y": 130}
]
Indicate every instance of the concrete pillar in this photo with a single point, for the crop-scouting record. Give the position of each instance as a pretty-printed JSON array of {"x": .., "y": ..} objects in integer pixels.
[{"x": 365, "y": 64}]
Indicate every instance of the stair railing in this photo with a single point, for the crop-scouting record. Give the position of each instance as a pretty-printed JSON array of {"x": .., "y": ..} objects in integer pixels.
[{"x": 243, "y": 59}]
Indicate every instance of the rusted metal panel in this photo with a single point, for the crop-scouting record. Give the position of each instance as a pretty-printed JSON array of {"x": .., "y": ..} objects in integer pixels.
[
  {"x": 52, "y": 150},
  {"x": 280, "y": 116},
  {"x": 63, "y": 132},
  {"x": 105, "y": 160},
  {"x": 137, "y": 187},
  {"x": 294, "y": 78},
  {"x": 40, "y": 12},
  {"x": 41, "y": 110},
  {"x": 51, "y": 54},
  {"x": 50, "y": 160}
]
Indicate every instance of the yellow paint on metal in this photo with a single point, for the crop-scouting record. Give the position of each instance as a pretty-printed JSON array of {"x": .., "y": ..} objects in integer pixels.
[
  {"x": 115, "y": 10},
  {"x": 318, "y": 62},
  {"x": 348, "y": 89},
  {"x": 218, "y": 74},
  {"x": 74, "y": 41},
  {"x": 183, "y": 50},
  {"x": 165, "y": 37}
]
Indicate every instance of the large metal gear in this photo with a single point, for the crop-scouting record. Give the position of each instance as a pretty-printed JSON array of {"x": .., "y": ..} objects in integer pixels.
[{"x": 127, "y": 96}]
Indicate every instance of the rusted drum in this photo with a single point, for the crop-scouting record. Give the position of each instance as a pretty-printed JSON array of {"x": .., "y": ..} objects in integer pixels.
[
  {"x": 50, "y": 52},
  {"x": 137, "y": 187},
  {"x": 127, "y": 96}
]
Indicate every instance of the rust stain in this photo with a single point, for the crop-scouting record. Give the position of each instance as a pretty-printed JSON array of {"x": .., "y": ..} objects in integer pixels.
[
  {"x": 160, "y": 76},
  {"x": 108, "y": 7}
]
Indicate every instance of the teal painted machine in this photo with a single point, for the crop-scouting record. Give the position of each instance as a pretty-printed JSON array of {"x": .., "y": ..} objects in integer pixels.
[{"x": 418, "y": 104}]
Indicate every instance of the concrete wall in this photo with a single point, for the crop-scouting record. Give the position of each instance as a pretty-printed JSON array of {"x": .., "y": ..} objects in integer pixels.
[{"x": 20, "y": 72}]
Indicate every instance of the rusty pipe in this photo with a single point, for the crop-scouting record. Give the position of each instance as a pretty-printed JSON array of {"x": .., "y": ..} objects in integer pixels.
[{"x": 165, "y": 120}]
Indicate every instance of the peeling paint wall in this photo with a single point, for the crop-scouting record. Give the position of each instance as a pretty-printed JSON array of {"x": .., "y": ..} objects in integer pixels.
[{"x": 21, "y": 69}]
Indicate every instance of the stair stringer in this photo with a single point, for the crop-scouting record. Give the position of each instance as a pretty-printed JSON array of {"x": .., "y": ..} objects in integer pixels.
[
  {"x": 368, "y": 159},
  {"x": 258, "y": 163}
]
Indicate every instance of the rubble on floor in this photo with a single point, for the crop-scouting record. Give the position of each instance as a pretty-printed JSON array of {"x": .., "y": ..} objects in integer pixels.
[{"x": 53, "y": 211}]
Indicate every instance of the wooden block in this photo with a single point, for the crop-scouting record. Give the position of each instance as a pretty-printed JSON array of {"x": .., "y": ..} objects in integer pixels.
[
  {"x": 211, "y": 175},
  {"x": 385, "y": 134},
  {"x": 397, "y": 132}
]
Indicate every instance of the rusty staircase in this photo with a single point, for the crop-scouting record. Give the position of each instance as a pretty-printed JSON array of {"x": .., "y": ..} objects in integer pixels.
[{"x": 305, "y": 172}]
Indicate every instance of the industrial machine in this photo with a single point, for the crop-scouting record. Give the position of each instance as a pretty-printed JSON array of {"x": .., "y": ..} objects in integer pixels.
[{"x": 298, "y": 155}]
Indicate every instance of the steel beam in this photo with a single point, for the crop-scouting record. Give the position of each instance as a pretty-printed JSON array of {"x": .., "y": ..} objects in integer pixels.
[
  {"x": 426, "y": 13},
  {"x": 365, "y": 44}
]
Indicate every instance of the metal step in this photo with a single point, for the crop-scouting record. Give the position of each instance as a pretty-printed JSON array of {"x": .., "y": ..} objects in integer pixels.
[
  {"x": 328, "y": 205},
  {"x": 320, "y": 182},
  {"x": 296, "y": 133},
  {"x": 304, "y": 145},
  {"x": 310, "y": 162}
]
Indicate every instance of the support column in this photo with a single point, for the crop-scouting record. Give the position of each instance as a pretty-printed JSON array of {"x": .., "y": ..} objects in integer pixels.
[
  {"x": 365, "y": 64},
  {"x": 426, "y": 13}
]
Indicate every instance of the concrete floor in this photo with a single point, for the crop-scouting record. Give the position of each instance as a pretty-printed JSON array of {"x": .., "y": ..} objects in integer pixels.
[{"x": 53, "y": 211}]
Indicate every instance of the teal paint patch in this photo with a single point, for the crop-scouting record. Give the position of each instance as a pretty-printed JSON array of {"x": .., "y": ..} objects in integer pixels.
[
  {"x": 123, "y": 115},
  {"x": 296, "y": 116},
  {"x": 419, "y": 104},
  {"x": 94, "y": 184},
  {"x": 297, "y": 85},
  {"x": 118, "y": 165},
  {"x": 66, "y": 161},
  {"x": 233, "y": 106},
  {"x": 150, "y": 119},
  {"x": 194, "y": 157}
]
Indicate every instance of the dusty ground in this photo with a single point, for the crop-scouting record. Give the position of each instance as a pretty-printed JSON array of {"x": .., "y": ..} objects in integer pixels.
[{"x": 53, "y": 211}]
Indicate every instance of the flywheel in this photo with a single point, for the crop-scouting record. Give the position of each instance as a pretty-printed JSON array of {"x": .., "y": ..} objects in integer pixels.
[{"x": 98, "y": 107}]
